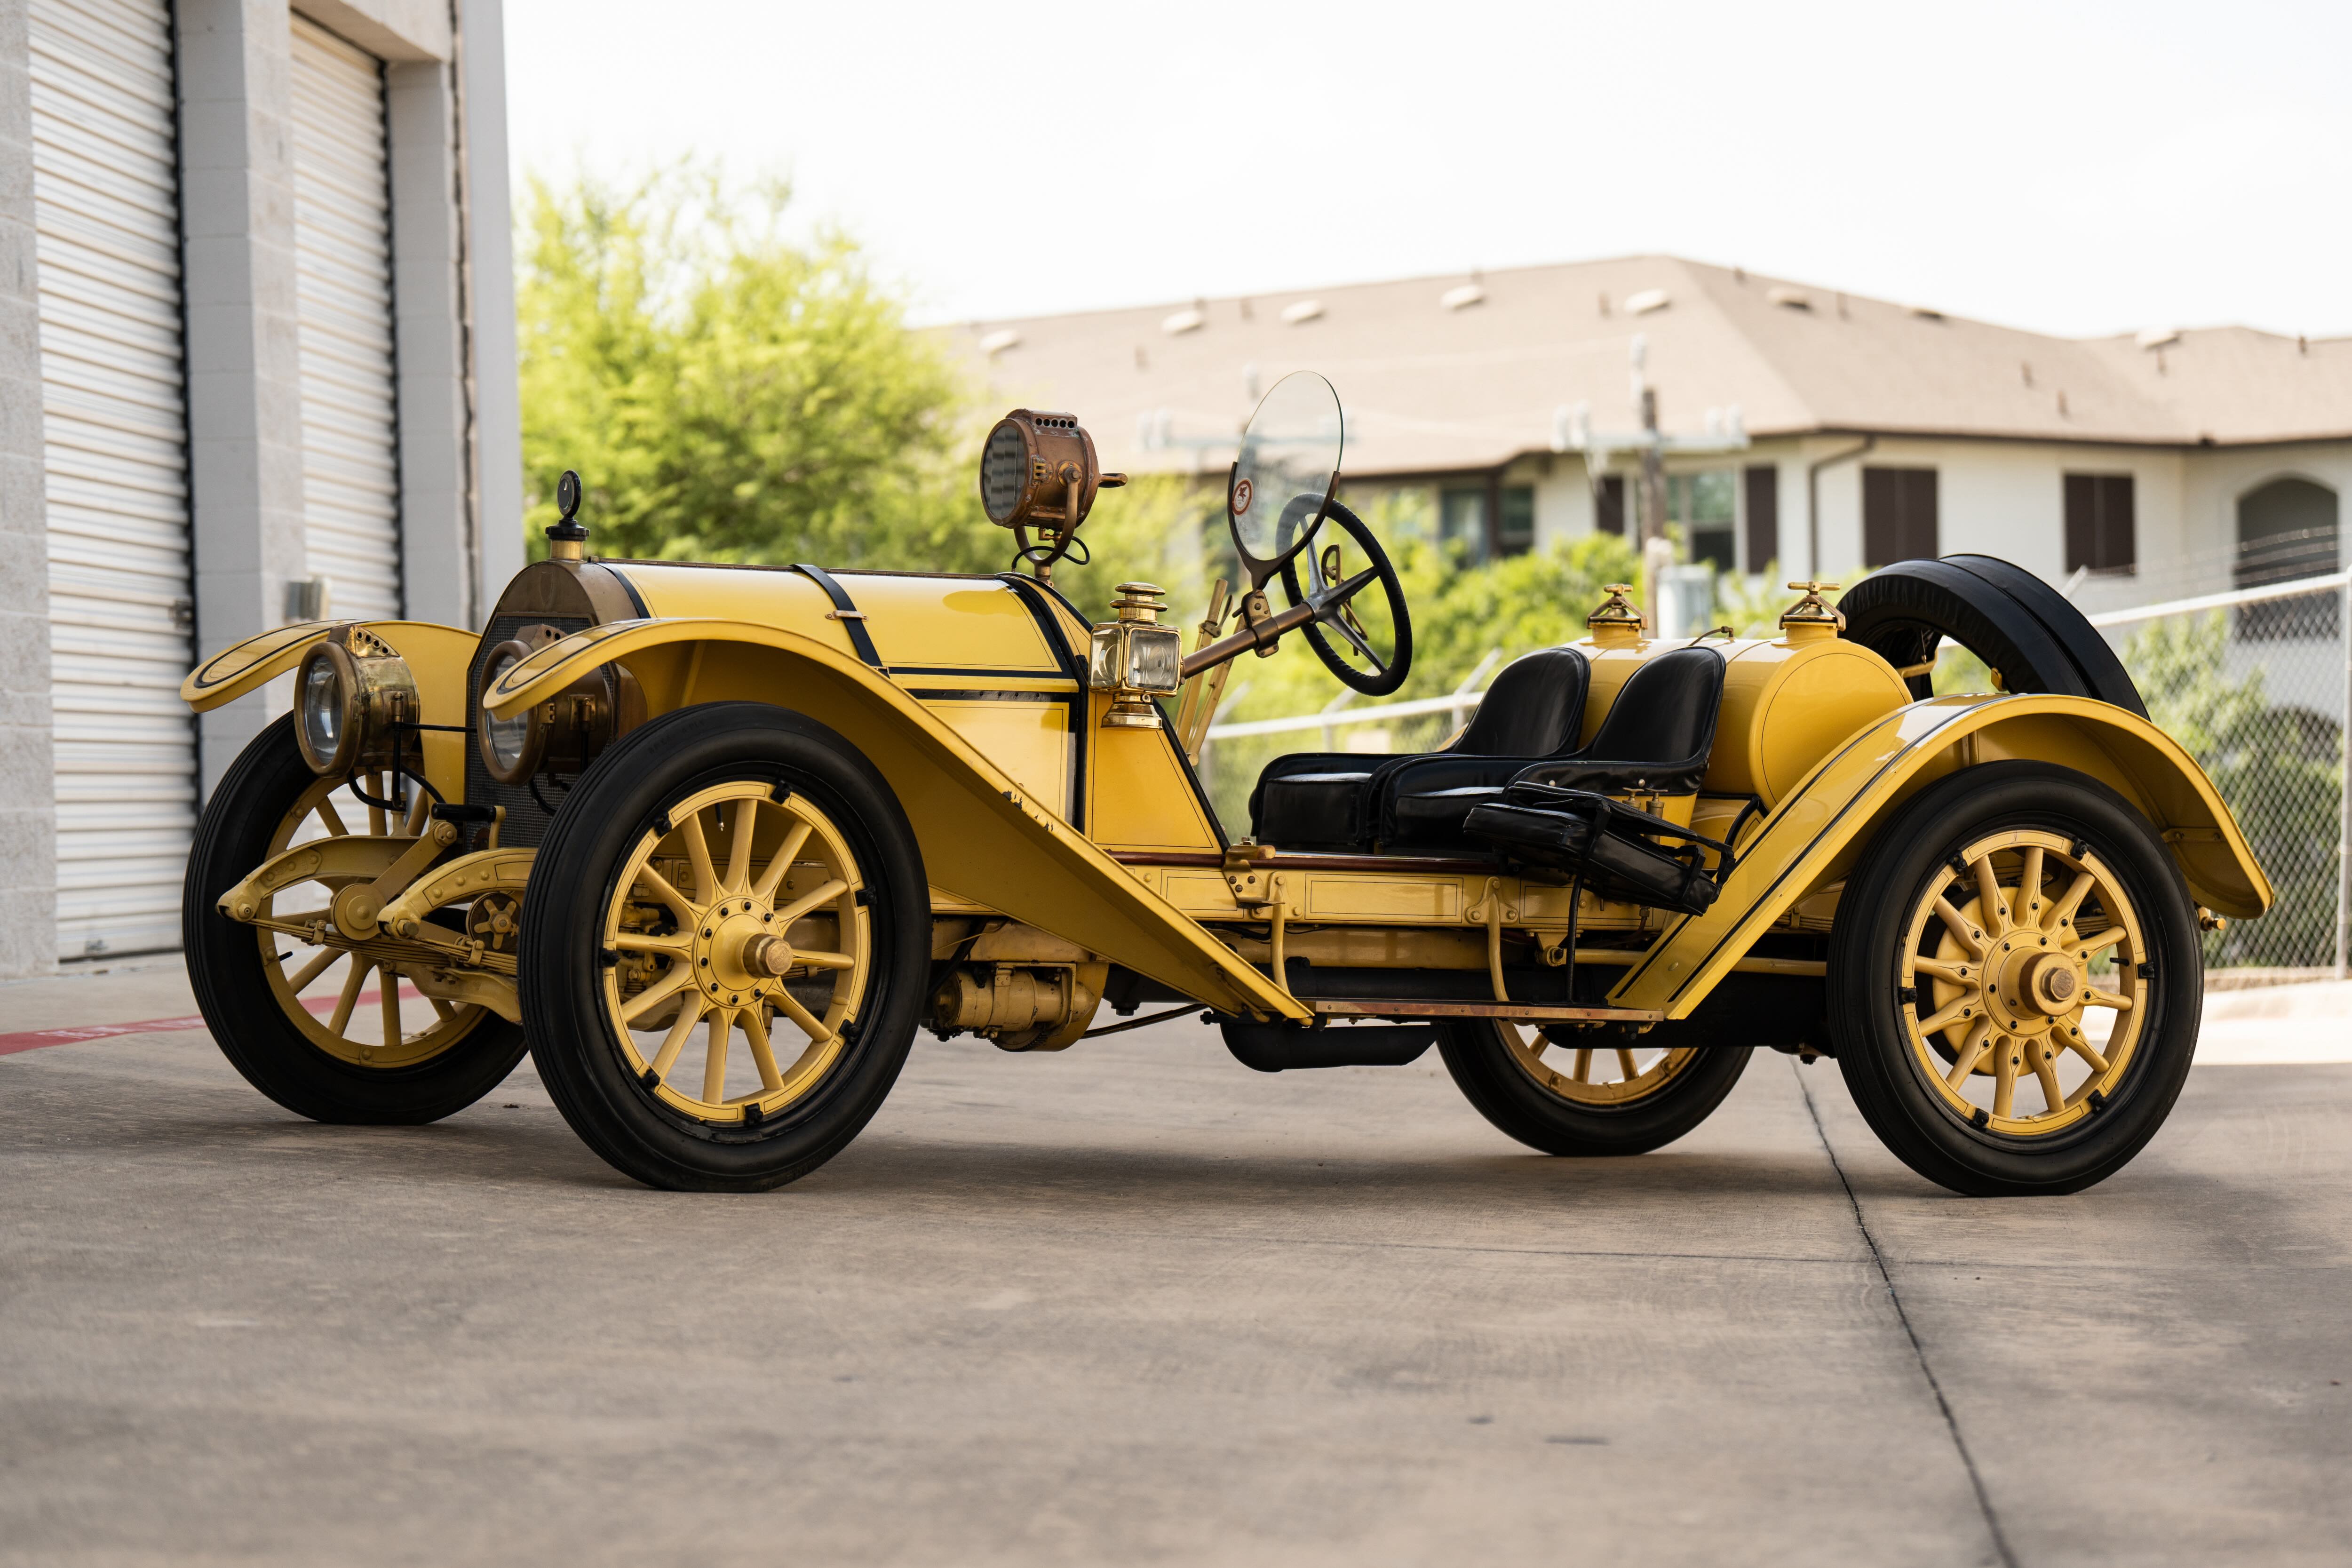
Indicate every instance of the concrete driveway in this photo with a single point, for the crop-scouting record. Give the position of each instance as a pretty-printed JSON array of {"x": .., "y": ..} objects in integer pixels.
[{"x": 1136, "y": 1304}]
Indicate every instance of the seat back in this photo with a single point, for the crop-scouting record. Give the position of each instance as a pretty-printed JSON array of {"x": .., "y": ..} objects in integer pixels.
[
  {"x": 1534, "y": 706},
  {"x": 1665, "y": 714}
]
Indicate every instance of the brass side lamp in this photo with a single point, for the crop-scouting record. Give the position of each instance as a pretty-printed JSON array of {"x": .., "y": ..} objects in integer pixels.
[{"x": 1136, "y": 658}]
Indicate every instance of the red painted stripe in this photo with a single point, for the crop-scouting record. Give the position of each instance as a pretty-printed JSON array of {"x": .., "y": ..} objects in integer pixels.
[{"x": 33, "y": 1039}]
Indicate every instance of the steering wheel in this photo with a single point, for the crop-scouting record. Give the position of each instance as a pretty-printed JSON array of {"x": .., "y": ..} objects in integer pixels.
[{"x": 1339, "y": 636}]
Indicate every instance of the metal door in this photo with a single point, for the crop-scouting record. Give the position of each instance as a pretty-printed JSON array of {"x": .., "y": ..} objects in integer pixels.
[
  {"x": 114, "y": 426},
  {"x": 342, "y": 248}
]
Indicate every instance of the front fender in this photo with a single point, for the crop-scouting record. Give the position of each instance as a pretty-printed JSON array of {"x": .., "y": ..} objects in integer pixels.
[
  {"x": 983, "y": 838},
  {"x": 436, "y": 655},
  {"x": 1815, "y": 835}
]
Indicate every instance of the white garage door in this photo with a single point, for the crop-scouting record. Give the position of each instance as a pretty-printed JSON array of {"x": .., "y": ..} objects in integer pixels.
[
  {"x": 105, "y": 197},
  {"x": 343, "y": 247}
]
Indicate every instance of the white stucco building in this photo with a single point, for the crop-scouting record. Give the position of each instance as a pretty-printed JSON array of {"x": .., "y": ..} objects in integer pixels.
[
  {"x": 2167, "y": 462},
  {"x": 258, "y": 362}
]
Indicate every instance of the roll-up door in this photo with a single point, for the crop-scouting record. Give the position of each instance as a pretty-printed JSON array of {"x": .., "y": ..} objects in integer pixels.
[
  {"x": 342, "y": 250},
  {"x": 114, "y": 424}
]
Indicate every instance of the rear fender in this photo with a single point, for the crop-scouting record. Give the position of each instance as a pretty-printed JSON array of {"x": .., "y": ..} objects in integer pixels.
[
  {"x": 982, "y": 837},
  {"x": 1812, "y": 839}
]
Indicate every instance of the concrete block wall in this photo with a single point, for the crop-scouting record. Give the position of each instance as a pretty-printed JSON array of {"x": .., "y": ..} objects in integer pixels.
[{"x": 29, "y": 902}]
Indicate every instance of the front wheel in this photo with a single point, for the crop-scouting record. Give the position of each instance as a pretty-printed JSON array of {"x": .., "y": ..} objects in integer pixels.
[
  {"x": 2014, "y": 982},
  {"x": 742, "y": 874},
  {"x": 1583, "y": 1097}
]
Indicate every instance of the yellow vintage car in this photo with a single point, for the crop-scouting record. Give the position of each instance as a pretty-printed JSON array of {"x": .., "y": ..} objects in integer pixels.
[{"x": 713, "y": 842}]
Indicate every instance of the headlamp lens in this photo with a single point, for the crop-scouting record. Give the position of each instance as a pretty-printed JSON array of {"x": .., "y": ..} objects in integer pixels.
[
  {"x": 321, "y": 708},
  {"x": 506, "y": 736}
]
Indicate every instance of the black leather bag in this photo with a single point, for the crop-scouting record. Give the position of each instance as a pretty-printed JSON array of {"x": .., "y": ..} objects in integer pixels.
[{"x": 1615, "y": 849}]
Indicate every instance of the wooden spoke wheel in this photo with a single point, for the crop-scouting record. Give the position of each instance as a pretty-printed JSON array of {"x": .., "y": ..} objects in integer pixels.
[
  {"x": 2015, "y": 981},
  {"x": 1583, "y": 1092},
  {"x": 743, "y": 922},
  {"x": 2023, "y": 979},
  {"x": 726, "y": 946},
  {"x": 329, "y": 1026}
]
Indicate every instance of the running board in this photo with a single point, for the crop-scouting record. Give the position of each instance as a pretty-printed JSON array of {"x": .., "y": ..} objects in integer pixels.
[{"x": 1522, "y": 1012}]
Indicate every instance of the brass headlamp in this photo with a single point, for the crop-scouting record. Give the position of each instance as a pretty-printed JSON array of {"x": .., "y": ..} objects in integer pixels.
[
  {"x": 1136, "y": 658},
  {"x": 350, "y": 691},
  {"x": 562, "y": 734}
]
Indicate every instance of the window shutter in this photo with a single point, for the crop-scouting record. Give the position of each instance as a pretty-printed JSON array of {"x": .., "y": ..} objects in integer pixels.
[
  {"x": 1763, "y": 498},
  {"x": 2118, "y": 527},
  {"x": 1609, "y": 515},
  {"x": 2082, "y": 521}
]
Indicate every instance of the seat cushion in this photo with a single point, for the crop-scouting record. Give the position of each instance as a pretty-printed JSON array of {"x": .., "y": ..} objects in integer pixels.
[
  {"x": 1312, "y": 811},
  {"x": 1428, "y": 821}
]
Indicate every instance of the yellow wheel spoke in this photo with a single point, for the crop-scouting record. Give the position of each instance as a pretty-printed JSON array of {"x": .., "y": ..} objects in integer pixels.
[
  {"x": 1950, "y": 973},
  {"x": 658, "y": 885},
  {"x": 647, "y": 942},
  {"x": 764, "y": 1055},
  {"x": 2092, "y": 946},
  {"x": 2005, "y": 1080},
  {"x": 1972, "y": 1052},
  {"x": 1957, "y": 923},
  {"x": 375, "y": 813},
  {"x": 353, "y": 984},
  {"x": 810, "y": 1024},
  {"x": 1951, "y": 1014},
  {"x": 698, "y": 851},
  {"x": 331, "y": 819},
  {"x": 1583, "y": 1073},
  {"x": 2095, "y": 998},
  {"x": 2084, "y": 1048},
  {"x": 2045, "y": 1067},
  {"x": 1988, "y": 900},
  {"x": 778, "y": 867},
  {"x": 678, "y": 978},
  {"x": 675, "y": 1041},
  {"x": 442, "y": 1010},
  {"x": 815, "y": 960},
  {"x": 2029, "y": 887},
  {"x": 1626, "y": 1062},
  {"x": 714, "y": 1056},
  {"x": 312, "y": 970},
  {"x": 2071, "y": 899},
  {"x": 388, "y": 1000},
  {"x": 738, "y": 852},
  {"x": 807, "y": 901}
]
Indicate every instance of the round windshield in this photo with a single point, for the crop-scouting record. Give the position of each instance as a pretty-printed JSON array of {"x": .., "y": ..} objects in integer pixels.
[{"x": 1289, "y": 456}]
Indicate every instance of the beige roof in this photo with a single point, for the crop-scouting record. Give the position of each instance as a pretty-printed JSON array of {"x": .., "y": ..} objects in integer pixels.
[{"x": 1431, "y": 389}]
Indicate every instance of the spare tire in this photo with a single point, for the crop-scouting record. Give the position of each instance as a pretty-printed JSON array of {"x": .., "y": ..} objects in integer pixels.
[
  {"x": 1901, "y": 611},
  {"x": 2093, "y": 655}
]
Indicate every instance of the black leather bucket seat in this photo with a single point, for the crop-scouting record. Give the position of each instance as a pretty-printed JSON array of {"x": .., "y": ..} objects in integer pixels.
[
  {"x": 1321, "y": 800},
  {"x": 1656, "y": 740}
]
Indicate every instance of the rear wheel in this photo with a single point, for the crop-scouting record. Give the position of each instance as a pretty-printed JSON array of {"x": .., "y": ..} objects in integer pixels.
[
  {"x": 2015, "y": 982},
  {"x": 726, "y": 939},
  {"x": 1576, "y": 1097}
]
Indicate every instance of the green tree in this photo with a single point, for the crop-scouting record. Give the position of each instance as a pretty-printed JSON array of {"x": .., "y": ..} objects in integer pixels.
[{"x": 730, "y": 394}]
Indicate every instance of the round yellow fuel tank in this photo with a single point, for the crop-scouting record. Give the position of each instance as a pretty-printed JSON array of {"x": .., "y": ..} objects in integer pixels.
[{"x": 1788, "y": 704}]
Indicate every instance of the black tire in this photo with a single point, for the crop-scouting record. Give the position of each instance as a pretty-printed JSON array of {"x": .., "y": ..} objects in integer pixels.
[
  {"x": 233, "y": 992},
  {"x": 2093, "y": 656},
  {"x": 1506, "y": 1094},
  {"x": 574, "y": 878},
  {"x": 1868, "y": 1012},
  {"x": 1900, "y": 612}
]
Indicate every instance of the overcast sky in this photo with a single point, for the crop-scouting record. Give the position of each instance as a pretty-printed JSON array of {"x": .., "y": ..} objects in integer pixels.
[{"x": 2077, "y": 169}]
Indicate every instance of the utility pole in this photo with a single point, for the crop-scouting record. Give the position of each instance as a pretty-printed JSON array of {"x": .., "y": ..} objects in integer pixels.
[{"x": 1573, "y": 432}]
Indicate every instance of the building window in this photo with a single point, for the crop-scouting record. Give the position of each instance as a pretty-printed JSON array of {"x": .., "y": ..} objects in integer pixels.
[
  {"x": 1763, "y": 486},
  {"x": 1462, "y": 522},
  {"x": 2100, "y": 535},
  {"x": 1516, "y": 533},
  {"x": 1608, "y": 506},
  {"x": 1703, "y": 503},
  {"x": 2286, "y": 530},
  {"x": 1898, "y": 515}
]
